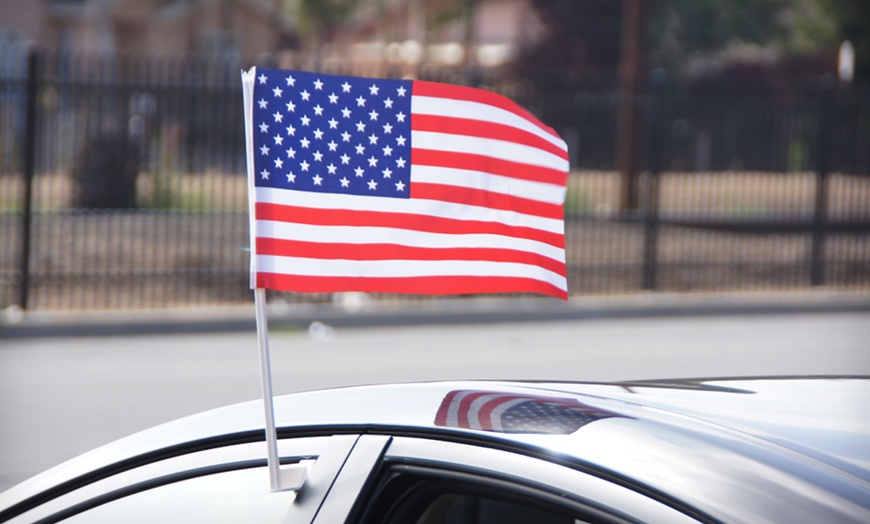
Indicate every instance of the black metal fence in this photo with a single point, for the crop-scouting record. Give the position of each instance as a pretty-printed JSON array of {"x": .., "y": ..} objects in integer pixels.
[{"x": 122, "y": 186}]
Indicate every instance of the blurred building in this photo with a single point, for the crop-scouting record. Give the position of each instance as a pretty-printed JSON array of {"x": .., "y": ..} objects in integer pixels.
[
  {"x": 439, "y": 32},
  {"x": 243, "y": 27}
]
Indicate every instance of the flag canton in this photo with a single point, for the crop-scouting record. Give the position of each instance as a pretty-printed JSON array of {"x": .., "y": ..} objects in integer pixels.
[
  {"x": 555, "y": 418},
  {"x": 332, "y": 134}
]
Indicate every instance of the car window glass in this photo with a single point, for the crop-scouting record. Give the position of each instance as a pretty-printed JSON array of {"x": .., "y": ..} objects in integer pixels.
[
  {"x": 417, "y": 473},
  {"x": 467, "y": 509},
  {"x": 410, "y": 495}
]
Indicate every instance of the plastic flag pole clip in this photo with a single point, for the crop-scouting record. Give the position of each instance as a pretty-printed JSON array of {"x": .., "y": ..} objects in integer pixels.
[{"x": 290, "y": 477}]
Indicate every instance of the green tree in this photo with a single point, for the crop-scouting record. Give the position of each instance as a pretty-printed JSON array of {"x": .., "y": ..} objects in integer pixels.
[
  {"x": 839, "y": 20},
  {"x": 710, "y": 25},
  {"x": 582, "y": 37},
  {"x": 580, "y": 42}
]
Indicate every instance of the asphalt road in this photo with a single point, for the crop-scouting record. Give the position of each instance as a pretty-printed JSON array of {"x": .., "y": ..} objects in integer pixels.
[{"x": 61, "y": 396}]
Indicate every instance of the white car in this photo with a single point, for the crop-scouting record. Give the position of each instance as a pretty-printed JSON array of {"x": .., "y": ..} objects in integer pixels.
[{"x": 752, "y": 450}]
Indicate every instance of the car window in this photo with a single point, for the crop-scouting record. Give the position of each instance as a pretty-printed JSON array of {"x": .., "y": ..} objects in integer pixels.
[
  {"x": 427, "y": 481},
  {"x": 428, "y": 495},
  {"x": 456, "y": 508}
]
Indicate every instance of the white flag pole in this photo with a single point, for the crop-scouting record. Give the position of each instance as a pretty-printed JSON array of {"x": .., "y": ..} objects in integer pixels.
[
  {"x": 292, "y": 477},
  {"x": 266, "y": 381}
]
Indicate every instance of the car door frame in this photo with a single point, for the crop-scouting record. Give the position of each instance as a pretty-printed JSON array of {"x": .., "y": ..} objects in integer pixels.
[{"x": 327, "y": 455}]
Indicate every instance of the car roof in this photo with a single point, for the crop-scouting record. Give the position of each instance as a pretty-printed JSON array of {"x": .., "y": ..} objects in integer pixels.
[{"x": 815, "y": 429}]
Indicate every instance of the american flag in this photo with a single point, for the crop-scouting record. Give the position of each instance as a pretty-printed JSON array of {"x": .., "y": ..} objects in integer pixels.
[
  {"x": 515, "y": 413},
  {"x": 400, "y": 186}
]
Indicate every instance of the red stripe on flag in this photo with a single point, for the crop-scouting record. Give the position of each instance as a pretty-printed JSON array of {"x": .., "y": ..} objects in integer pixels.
[
  {"x": 444, "y": 409},
  {"x": 485, "y": 411},
  {"x": 420, "y": 285},
  {"x": 488, "y": 164},
  {"x": 484, "y": 414},
  {"x": 481, "y": 129},
  {"x": 463, "y": 420},
  {"x": 487, "y": 199},
  {"x": 343, "y": 251},
  {"x": 344, "y": 217},
  {"x": 463, "y": 93}
]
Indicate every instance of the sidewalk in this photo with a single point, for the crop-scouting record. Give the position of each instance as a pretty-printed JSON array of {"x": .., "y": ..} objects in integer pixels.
[{"x": 356, "y": 310}]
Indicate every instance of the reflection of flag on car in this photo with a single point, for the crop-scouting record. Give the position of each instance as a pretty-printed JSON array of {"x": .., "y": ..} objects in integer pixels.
[
  {"x": 400, "y": 186},
  {"x": 510, "y": 413}
]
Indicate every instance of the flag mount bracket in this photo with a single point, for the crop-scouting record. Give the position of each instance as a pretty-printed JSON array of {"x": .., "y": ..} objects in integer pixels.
[{"x": 292, "y": 477}]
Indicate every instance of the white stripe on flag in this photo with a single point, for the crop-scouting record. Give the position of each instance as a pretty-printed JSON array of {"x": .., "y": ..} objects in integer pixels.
[
  {"x": 475, "y": 407},
  {"x": 454, "y": 407},
  {"x": 362, "y": 235},
  {"x": 500, "y": 149},
  {"x": 427, "y": 105},
  {"x": 404, "y": 268},
  {"x": 465, "y": 178}
]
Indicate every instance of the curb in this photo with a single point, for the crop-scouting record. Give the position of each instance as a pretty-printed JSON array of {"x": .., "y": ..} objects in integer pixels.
[{"x": 364, "y": 314}]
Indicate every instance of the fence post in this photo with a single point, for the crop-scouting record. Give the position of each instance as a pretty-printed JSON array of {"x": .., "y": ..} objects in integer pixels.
[
  {"x": 654, "y": 155},
  {"x": 28, "y": 169},
  {"x": 823, "y": 160}
]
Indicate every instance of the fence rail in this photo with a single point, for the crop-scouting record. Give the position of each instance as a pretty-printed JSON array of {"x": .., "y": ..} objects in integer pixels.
[{"x": 122, "y": 186}]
